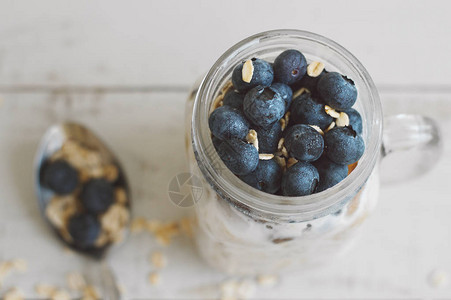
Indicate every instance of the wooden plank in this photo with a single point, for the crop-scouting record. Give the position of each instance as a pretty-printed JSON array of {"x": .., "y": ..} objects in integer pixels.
[
  {"x": 172, "y": 43},
  {"x": 406, "y": 238}
]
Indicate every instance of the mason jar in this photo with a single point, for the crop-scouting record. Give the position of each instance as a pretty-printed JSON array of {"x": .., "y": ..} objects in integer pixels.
[{"x": 242, "y": 230}]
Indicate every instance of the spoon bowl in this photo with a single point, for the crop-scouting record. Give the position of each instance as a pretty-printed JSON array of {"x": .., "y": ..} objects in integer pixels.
[{"x": 52, "y": 143}]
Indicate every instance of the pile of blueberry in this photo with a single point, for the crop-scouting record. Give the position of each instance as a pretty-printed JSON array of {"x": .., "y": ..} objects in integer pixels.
[
  {"x": 95, "y": 197},
  {"x": 288, "y": 127}
]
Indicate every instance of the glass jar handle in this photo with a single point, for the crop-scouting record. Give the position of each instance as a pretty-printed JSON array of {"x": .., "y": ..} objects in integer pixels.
[{"x": 411, "y": 146}]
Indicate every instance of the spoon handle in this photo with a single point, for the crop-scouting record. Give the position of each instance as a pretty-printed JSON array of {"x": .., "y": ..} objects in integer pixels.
[{"x": 110, "y": 290}]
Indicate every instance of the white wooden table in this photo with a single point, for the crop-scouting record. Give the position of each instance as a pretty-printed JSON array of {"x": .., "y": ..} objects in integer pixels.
[{"x": 125, "y": 70}]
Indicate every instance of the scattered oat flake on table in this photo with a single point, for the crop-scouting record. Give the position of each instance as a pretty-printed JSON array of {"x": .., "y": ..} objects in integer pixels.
[
  {"x": 5, "y": 268},
  {"x": 90, "y": 293},
  {"x": 154, "y": 278},
  {"x": 20, "y": 264},
  {"x": 45, "y": 290},
  {"x": 158, "y": 260},
  {"x": 245, "y": 289},
  {"x": 60, "y": 294},
  {"x": 267, "y": 280},
  {"x": 13, "y": 294},
  {"x": 121, "y": 288},
  {"x": 152, "y": 225},
  {"x": 118, "y": 237},
  {"x": 76, "y": 281},
  {"x": 138, "y": 225},
  {"x": 438, "y": 278},
  {"x": 228, "y": 289},
  {"x": 187, "y": 226},
  {"x": 166, "y": 232},
  {"x": 237, "y": 289},
  {"x": 163, "y": 240}
]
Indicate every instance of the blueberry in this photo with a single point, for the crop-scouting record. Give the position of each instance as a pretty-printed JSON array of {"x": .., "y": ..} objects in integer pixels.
[
  {"x": 289, "y": 67},
  {"x": 240, "y": 157},
  {"x": 263, "y": 75},
  {"x": 306, "y": 110},
  {"x": 233, "y": 99},
  {"x": 84, "y": 230},
  {"x": 226, "y": 122},
  {"x": 97, "y": 195},
  {"x": 337, "y": 90},
  {"x": 263, "y": 106},
  {"x": 304, "y": 143},
  {"x": 309, "y": 83},
  {"x": 300, "y": 179},
  {"x": 343, "y": 145},
  {"x": 355, "y": 120},
  {"x": 268, "y": 139},
  {"x": 285, "y": 92},
  {"x": 60, "y": 177},
  {"x": 266, "y": 177},
  {"x": 330, "y": 173}
]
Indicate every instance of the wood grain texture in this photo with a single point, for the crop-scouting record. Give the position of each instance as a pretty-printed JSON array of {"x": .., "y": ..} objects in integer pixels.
[
  {"x": 173, "y": 42},
  {"x": 406, "y": 238},
  {"x": 124, "y": 69}
]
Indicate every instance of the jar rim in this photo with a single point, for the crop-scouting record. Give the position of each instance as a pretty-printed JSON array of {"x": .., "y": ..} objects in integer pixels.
[{"x": 307, "y": 207}]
